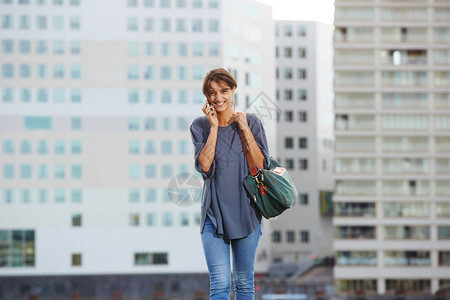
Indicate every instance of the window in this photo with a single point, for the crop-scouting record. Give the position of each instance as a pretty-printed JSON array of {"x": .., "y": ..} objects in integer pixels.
[
  {"x": 150, "y": 194},
  {"x": 7, "y": 21},
  {"x": 290, "y": 236},
  {"x": 58, "y": 23},
  {"x": 133, "y": 171},
  {"x": 134, "y": 219},
  {"x": 303, "y": 142},
  {"x": 301, "y": 74},
  {"x": 288, "y": 73},
  {"x": 288, "y": 94},
  {"x": 151, "y": 259},
  {"x": 213, "y": 25},
  {"x": 76, "y": 196},
  {"x": 288, "y": 143},
  {"x": 289, "y": 163},
  {"x": 197, "y": 25},
  {"x": 288, "y": 52},
  {"x": 304, "y": 236},
  {"x": 24, "y": 47},
  {"x": 150, "y": 219},
  {"x": 24, "y": 71},
  {"x": 276, "y": 236},
  {"x": 134, "y": 195},
  {"x": 303, "y": 164},
  {"x": 150, "y": 171},
  {"x": 181, "y": 25},
  {"x": 166, "y": 171},
  {"x": 25, "y": 171},
  {"x": 288, "y": 116},
  {"x": 21, "y": 243},
  {"x": 77, "y": 172},
  {"x": 7, "y": 70},
  {"x": 301, "y": 52},
  {"x": 76, "y": 260},
  {"x": 166, "y": 73},
  {"x": 41, "y": 22},
  {"x": 167, "y": 219},
  {"x": 302, "y": 116},
  {"x": 150, "y": 147},
  {"x": 303, "y": 199},
  {"x": 76, "y": 220},
  {"x": 42, "y": 171},
  {"x": 38, "y": 123},
  {"x": 8, "y": 171},
  {"x": 132, "y": 24},
  {"x": 60, "y": 196}
]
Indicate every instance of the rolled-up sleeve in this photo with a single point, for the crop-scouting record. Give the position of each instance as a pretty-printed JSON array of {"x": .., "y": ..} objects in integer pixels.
[
  {"x": 259, "y": 134},
  {"x": 199, "y": 139}
]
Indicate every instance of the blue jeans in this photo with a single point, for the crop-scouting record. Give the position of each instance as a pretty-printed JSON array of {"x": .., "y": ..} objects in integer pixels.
[{"x": 217, "y": 254}]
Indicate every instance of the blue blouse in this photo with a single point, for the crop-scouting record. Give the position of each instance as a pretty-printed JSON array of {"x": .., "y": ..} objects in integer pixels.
[{"x": 224, "y": 199}]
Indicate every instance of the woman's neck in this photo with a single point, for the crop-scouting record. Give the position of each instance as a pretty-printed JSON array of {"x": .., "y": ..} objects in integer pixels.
[{"x": 224, "y": 117}]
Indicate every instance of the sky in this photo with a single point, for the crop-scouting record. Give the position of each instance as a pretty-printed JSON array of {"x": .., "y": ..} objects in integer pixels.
[{"x": 302, "y": 10}]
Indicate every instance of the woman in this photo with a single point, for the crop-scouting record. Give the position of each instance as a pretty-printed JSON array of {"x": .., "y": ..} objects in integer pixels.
[{"x": 228, "y": 216}]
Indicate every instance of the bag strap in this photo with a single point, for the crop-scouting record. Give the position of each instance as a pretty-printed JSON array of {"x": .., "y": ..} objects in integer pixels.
[{"x": 246, "y": 149}]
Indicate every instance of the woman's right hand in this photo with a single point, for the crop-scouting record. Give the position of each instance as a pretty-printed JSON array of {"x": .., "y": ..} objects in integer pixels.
[{"x": 211, "y": 114}]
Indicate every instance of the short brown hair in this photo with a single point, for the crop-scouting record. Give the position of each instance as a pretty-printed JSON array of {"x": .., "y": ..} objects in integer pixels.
[{"x": 219, "y": 74}]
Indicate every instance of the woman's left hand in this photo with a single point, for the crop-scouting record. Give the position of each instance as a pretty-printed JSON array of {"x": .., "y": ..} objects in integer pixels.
[{"x": 241, "y": 119}]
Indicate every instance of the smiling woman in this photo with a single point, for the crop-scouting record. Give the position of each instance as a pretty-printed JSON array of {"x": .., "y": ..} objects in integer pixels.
[{"x": 229, "y": 218}]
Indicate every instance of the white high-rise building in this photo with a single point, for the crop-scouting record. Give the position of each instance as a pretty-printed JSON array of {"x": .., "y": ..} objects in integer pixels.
[
  {"x": 96, "y": 102},
  {"x": 392, "y": 149},
  {"x": 304, "y": 140}
]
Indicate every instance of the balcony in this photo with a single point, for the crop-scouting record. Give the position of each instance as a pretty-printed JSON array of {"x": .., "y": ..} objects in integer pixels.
[
  {"x": 353, "y": 35},
  {"x": 406, "y": 210},
  {"x": 404, "y": 78},
  {"x": 405, "y": 166},
  {"x": 405, "y": 144},
  {"x": 363, "y": 14},
  {"x": 403, "y": 35},
  {"x": 356, "y": 187},
  {"x": 355, "y": 166},
  {"x": 355, "y": 122},
  {"x": 354, "y": 78},
  {"x": 416, "y": 14},
  {"x": 403, "y": 57},
  {"x": 406, "y": 188},
  {"x": 404, "y": 122},
  {"x": 353, "y": 144},
  {"x": 351, "y": 209},
  {"x": 354, "y": 57},
  {"x": 404, "y": 100},
  {"x": 355, "y": 100}
]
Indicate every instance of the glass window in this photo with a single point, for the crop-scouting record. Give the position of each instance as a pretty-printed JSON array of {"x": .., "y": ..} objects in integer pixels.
[
  {"x": 59, "y": 171},
  {"x": 149, "y": 3},
  {"x": 8, "y": 171},
  {"x": 149, "y": 72},
  {"x": 166, "y": 147},
  {"x": 133, "y": 48},
  {"x": 60, "y": 147},
  {"x": 197, "y": 49},
  {"x": 24, "y": 46},
  {"x": 133, "y": 96},
  {"x": 181, "y": 25},
  {"x": 150, "y": 147},
  {"x": 42, "y": 171},
  {"x": 7, "y": 46},
  {"x": 8, "y": 147},
  {"x": 197, "y": 72},
  {"x": 150, "y": 195},
  {"x": 75, "y": 23},
  {"x": 133, "y": 147},
  {"x": 133, "y": 72},
  {"x": 8, "y": 70},
  {"x": 24, "y": 71},
  {"x": 149, "y": 48},
  {"x": 134, "y": 171},
  {"x": 42, "y": 147},
  {"x": 38, "y": 122},
  {"x": 58, "y": 96},
  {"x": 213, "y": 25},
  {"x": 76, "y": 123},
  {"x": 182, "y": 49},
  {"x": 8, "y": 95},
  {"x": 132, "y": 24},
  {"x": 41, "y": 72},
  {"x": 166, "y": 72},
  {"x": 76, "y": 147},
  {"x": 150, "y": 123},
  {"x": 134, "y": 195},
  {"x": 166, "y": 25},
  {"x": 150, "y": 171},
  {"x": 41, "y": 22},
  {"x": 75, "y": 47},
  {"x": 150, "y": 219},
  {"x": 356, "y": 258},
  {"x": 167, "y": 219},
  {"x": 58, "y": 71},
  {"x": 150, "y": 96},
  {"x": 42, "y": 196},
  {"x": 134, "y": 219},
  {"x": 58, "y": 22},
  {"x": 165, "y": 49},
  {"x": 25, "y": 147},
  {"x": 197, "y": 25},
  {"x": 25, "y": 95},
  {"x": 149, "y": 24},
  {"x": 166, "y": 171},
  {"x": 76, "y": 196},
  {"x": 76, "y": 222},
  {"x": 7, "y": 21}
]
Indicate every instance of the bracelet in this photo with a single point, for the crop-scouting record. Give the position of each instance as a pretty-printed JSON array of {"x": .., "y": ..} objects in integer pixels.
[{"x": 245, "y": 149}]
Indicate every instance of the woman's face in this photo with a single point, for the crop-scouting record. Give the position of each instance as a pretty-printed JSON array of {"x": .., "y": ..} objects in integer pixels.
[{"x": 220, "y": 95}]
